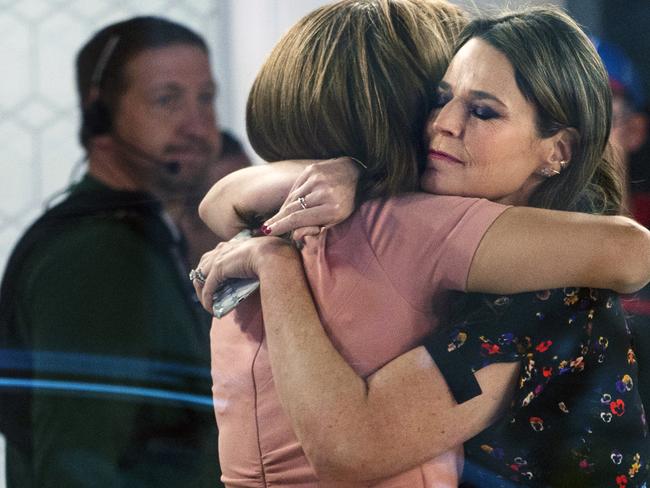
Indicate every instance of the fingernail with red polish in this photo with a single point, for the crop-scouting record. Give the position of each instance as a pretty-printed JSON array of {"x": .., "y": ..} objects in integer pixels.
[{"x": 266, "y": 230}]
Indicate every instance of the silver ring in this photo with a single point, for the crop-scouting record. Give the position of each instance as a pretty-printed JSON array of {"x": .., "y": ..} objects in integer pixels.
[
  {"x": 303, "y": 204},
  {"x": 196, "y": 274}
]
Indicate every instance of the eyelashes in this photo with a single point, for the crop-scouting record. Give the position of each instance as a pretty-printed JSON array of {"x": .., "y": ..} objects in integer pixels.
[
  {"x": 483, "y": 112},
  {"x": 478, "y": 110}
]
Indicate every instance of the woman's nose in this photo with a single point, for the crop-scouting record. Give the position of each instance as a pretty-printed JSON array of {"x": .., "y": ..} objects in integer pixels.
[{"x": 448, "y": 119}]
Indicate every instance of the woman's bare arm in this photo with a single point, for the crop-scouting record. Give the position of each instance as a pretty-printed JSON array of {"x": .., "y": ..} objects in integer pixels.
[
  {"x": 347, "y": 426},
  {"x": 263, "y": 189},
  {"x": 259, "y": 189},
  {"x": 525, "y": 249},
  {"x": 529, "y": 249}
]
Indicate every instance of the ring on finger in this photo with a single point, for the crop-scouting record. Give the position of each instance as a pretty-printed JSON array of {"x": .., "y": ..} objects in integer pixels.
[
  {"x": 303, "y": 204},
  {"x": 197, "y": 274}
]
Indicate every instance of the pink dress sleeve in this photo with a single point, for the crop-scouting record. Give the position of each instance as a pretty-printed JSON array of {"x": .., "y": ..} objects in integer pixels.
[{"x": 426, "y": 243}]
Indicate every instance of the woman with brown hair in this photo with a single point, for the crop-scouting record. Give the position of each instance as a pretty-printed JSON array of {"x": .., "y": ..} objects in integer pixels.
[{"x": 361, "y": 408}]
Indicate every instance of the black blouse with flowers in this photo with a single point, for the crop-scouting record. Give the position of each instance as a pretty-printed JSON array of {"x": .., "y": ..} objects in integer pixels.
[{"x": 576, "y": 418}]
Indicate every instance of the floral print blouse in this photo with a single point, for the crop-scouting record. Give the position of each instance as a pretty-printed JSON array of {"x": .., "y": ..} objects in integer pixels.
[{"x": 576, "y": 418}]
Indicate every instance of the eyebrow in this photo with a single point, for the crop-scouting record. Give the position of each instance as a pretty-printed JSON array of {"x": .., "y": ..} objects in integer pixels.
[
  {"x": 175, "y": 86},
  {"x": 474, "y": 94}
]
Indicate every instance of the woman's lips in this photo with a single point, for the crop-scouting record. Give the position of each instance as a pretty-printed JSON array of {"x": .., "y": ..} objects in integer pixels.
[{"x": 443, "y": 156}]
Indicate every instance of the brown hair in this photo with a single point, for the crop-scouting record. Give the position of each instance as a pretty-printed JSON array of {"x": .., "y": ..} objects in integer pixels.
[
  {"x": 559, "y": 71},
  {"x": 355, "y": 78}
]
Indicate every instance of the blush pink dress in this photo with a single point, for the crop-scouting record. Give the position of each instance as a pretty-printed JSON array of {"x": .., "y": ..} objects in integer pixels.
[{"x": 375, "y": 279}]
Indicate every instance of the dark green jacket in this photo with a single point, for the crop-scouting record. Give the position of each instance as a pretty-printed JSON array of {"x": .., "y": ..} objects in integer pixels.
[{"x": 104, "y": 353}]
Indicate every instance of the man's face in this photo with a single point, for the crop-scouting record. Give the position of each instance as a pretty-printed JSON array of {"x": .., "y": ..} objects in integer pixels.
[{"x": 167, "y": 112}]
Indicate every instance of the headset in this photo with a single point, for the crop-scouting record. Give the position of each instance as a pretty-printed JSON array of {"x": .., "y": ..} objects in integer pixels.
[{"x": 96, "y": 117}]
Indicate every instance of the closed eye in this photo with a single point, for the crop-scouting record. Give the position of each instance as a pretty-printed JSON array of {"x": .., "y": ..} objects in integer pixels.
[{"x": 483, "y": 112}]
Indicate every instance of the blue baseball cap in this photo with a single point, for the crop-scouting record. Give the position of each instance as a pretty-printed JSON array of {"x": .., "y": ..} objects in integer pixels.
[{"x": 623, "y": 76}]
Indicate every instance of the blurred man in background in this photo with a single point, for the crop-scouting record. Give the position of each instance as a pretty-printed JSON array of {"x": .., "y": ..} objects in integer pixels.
[{"x": 106, "y": 352}]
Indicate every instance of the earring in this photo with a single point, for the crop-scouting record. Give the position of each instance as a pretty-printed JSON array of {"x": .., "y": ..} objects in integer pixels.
[
  {"x": 547, "y": 172},
  {"x": 563, "y": 164}
]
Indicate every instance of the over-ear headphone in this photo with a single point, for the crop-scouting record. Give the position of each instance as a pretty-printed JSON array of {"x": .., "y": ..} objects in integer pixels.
[{"x": 96, "y": 117}]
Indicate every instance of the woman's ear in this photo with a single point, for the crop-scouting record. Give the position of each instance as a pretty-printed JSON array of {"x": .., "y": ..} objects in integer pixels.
[
  {"x": 559, "y": 151},
  {"x": 565, "y": 140}
]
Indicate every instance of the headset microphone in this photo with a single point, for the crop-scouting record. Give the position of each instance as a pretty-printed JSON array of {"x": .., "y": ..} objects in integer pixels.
[{"x": 172, "y": 167}]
